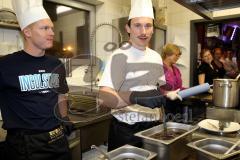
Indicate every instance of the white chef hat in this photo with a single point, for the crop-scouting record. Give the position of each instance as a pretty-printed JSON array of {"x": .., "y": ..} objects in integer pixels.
[
  {"x": 141, "y": 8},
  {"x": 29, "y": 11}
]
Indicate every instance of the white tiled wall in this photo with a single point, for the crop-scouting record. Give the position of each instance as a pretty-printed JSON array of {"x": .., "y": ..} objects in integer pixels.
[
  {"x": 178, "y": 31},
  {"x": 111, "y": 9},
  {"x": 5, "y": 4}
]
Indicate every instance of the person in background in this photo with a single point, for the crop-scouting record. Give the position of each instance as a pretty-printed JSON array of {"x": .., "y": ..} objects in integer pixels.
[
  {"x": 129, "y": 82},
  {"x": 170, "y": 56},
  {"x": 229, "y": 65},
  {"x": 32, "y": 87},
  {"x": 207, "y": 71},
  {"x": 218, "y": 65}
]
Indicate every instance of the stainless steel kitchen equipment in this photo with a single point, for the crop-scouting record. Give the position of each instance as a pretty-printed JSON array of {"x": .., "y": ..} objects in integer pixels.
[
  {"x": 172, "y": 149},
  {"x": 214, "y": 149},
  {"x": 105, "y": 156},
  {"x": 233, "y": 147},
  {"x": 68, "y": 66},
  {"x": 129, "y": 152},
  {"x": 226, "y": 93},
  {"x": 223, "y": 114}
]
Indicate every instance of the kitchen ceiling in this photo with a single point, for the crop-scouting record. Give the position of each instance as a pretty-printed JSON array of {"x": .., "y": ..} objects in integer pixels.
[{"x": 205, "y": 7}]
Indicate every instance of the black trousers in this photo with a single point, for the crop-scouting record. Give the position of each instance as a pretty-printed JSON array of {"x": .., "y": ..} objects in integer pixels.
[
  {"x": 122, "y": 133},
  {"x": 42, "y": 146}
]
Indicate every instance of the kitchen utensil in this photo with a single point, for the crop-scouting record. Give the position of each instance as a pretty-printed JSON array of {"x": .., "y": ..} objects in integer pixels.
[
  {"x": 225, "y": 93},
  {"x": 164, "y": 120},
  {"x": 194, "y": 90},
  {"x": 222, "y": 125},
  {"x": 216, "y": 126},
  {"x": 233, "y": 147},
  {"x": 238, "y": 76},
  {"x": 106, "y": 157}
]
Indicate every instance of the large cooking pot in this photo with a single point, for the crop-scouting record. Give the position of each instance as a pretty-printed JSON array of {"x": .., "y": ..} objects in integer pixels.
[{"x": 226, "y": 93}]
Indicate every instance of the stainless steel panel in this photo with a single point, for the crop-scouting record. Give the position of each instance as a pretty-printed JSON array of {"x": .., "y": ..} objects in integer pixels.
[{"x": 231, "y": 115}]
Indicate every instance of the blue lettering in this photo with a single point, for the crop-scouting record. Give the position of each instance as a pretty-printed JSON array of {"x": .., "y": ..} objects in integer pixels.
[
  {"x": 24, "y": 83},
  {"x": 38, "y": 81}
]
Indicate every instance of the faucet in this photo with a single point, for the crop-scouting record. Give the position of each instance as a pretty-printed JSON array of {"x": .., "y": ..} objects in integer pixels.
[{"x": 105, "y": 156}]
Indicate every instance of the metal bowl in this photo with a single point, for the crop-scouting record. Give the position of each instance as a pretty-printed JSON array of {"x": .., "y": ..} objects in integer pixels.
[
  {"x": 128, "y": 152},
  {"x": 169, "y": 149},
  {"x": 212, "y": 148},
  {"x": 148, "y": 134}
]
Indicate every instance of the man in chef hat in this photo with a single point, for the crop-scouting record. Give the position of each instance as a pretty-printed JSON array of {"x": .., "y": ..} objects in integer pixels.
[
  {"x": 129, "y": 82},
  {"x": 28, "y": 99}
]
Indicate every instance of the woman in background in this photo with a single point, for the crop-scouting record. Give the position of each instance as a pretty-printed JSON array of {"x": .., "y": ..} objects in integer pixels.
[
  {"x": 170, "y": 55},
  {"x": 207, "y": 71}
]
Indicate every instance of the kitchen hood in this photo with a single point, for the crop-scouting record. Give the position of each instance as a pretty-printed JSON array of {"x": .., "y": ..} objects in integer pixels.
[{"x": 205, "y": 8}]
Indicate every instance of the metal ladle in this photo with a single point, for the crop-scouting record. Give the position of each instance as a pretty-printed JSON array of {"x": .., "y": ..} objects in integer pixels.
[
  {"x": 105, "y": 156},
  {"x": 234, "y": 146}
]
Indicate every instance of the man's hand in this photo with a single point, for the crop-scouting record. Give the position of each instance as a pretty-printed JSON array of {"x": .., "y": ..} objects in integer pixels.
[
  {"x": 150, "y": 98},
  {"x": 173, "y": 95},
  {"x": 67, "y": 125}
]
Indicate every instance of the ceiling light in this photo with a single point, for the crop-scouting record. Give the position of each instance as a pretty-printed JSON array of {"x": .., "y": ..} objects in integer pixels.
[{"x": 62, "y": 9}]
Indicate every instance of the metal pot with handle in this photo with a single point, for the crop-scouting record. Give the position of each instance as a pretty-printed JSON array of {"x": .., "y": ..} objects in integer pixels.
[{"x": 226, "y": 93}]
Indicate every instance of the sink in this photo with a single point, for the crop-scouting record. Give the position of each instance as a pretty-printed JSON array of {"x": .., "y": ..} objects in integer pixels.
[
  {"x": 213, "y": 149},
  {"x": 131, "y": 153}
]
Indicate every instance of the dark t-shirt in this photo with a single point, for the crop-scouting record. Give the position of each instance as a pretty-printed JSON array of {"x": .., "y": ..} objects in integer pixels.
[
  {"x": 29, "y": 89},
  {"x": 210, "y": 73}
]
